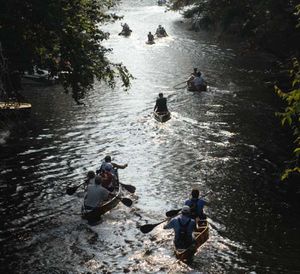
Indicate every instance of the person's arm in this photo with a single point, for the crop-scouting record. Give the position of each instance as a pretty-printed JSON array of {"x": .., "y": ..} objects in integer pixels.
[
  {"x": 155, "y": 107},
  {"x": 169, "y": 225},
  {"x": 119, "y": 166}
]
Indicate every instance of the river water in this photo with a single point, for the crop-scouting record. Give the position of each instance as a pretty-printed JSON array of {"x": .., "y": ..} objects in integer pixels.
[{"x": 226, "y": 140}]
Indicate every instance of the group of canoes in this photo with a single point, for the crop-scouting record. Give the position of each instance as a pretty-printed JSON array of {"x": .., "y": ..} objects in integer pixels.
[
  {"x": 160, "y": 32},
  {"x": 116, "y": 189}
]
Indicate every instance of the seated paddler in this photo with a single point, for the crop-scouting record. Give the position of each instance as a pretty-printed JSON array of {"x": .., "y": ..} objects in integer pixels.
[
  {"x": 161, "y": 104},
  {"x": 184, "y": 227},
  {"x": 96, "y": 195}
]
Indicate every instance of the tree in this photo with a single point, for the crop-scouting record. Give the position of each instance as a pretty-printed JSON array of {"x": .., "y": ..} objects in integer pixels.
[
  {"x": 61, "y": 35},
  {"x": 270, "y": 24}
]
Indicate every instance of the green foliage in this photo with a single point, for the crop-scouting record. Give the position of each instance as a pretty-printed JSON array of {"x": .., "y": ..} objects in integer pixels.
[
  {"x": 61, "y": 35},
  {"x": 291, "y": 114},
  {"x": 268, "y": 23}
]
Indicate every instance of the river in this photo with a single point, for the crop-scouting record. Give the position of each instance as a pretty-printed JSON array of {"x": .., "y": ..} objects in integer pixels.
[{"x": 226, "y": 140}]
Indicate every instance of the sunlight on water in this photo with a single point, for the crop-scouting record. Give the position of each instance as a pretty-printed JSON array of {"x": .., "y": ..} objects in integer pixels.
[{"x": 213, "y": 142}]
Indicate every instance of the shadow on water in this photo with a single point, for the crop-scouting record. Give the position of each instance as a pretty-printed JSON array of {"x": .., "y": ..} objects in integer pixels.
[{"x": 225, "y": 140}]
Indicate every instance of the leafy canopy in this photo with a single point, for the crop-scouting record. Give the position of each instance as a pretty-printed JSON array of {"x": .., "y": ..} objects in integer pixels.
[{"x": 61, "y": 35}]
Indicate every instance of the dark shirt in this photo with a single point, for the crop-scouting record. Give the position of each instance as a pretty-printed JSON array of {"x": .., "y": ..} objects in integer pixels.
[
  {"x": 150, "y": 37},
  {"x": 161, "y": 105},
  {"x": 196, "y": 206}
]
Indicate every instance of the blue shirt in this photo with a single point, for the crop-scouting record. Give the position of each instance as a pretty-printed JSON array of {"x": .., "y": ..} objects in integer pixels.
[
  {"x": 199, "y": 205},
  {"x": 174, "y": 223}
]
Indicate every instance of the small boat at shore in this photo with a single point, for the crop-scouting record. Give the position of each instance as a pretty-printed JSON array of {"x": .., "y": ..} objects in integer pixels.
[
  {"x": 40, "y": 75},
  {"x": 162, "y": 116},
  {"x": 94, "y": 216},
  {"x": 196, "y": 89},
  {"x": 13, "y": 107},
  {"x": 201, "y": 235}
]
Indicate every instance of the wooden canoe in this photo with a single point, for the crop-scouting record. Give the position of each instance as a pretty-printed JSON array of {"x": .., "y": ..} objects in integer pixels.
[
  {"x": 162, "y": 116},
  {"x": 201, "y": 235},
  {"x": 12, "y": 107},
  {"x": 198, "y": 89},
  {"x": 94, "y": 216}
]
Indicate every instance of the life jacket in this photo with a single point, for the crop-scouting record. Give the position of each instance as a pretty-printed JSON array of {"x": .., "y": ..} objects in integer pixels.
[
  {"x": 106, "y": 179},
  {"x": 184, "y": 240}
]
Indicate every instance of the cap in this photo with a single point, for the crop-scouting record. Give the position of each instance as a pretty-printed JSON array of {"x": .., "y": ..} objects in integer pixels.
[{"x": 185, "y": 209}]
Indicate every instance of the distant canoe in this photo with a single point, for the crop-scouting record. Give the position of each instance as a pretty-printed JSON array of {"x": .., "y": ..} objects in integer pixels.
[
  {"x": 13, "y": 107},
  {"x": 162, "y": 116},
  {"x": 160, "y": 35},
  {"x": 125, "y": 33},
  {"x": 150, "y": 42},
  {"x": 197, "y": 89},
  {"x": 201, "y": 235}
]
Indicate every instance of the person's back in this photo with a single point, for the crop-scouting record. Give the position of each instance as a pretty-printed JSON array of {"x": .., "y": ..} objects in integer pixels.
[
  {"x": 150, "y": 37},
  {"x": 96, "y": 195},
  {"x": 198, "y": 81},
  {"x": 125, "y": 27},
  {"x": 161, "y": 104},
  {"x": 183, "y": 226},
  {"x": 196, "y": 205}
]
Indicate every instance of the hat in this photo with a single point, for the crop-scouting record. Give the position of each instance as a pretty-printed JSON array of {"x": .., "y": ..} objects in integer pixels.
[{"x": 185, "y": 209}]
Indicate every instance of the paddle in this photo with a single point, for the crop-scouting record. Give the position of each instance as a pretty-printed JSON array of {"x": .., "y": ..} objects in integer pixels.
[
  {"x": 129, "y": 188},
  {"x": 174, "y": 212},
  {"x": 125, "y": 201},
  {"x": 176, "y": 86},
  {"x": 149, "y": 227},
  {"x": 73, "y": 189}
]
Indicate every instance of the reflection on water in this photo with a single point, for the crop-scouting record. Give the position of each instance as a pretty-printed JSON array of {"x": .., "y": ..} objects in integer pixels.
[{"x": 225, "y": 140}]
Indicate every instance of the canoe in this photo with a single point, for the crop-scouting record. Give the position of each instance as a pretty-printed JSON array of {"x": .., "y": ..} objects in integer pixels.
[
  {"x": 160, "y": 35},
  {"x": 150, "y": 42},
  {"x": 94, "y": 216},
  {"x": 12, "y": 107},
  {"x": 162, "y": 116},
  {"x": 199, "y": 89},
  {"x": 41, "y": 75},
  {"x": 125, "y": 33},
  {"x": 201, "y": 235}
]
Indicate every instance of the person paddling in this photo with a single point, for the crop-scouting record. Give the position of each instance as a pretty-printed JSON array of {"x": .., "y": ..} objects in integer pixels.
[
  {"x": 96, "y": 194},
  {"x": 108, "y": 173},
  {"x": 198, "y": 81},
  {"x": 183, "y": 226},
  {"x": 90, "y": 178},
  {"x": 196, "y": 205},
  {"x": 161, "y": 104},
  {"x": 150, "y": 37}
]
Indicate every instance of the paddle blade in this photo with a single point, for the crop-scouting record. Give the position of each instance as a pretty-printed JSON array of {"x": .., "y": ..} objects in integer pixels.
[
  {"x": 129, "y": 188},
  {"x": 71, "y": 190},
  {"x": 126, "y": 201},
  {"x": 172, "y": 213},
  {"x": 147, "y": 228}
]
